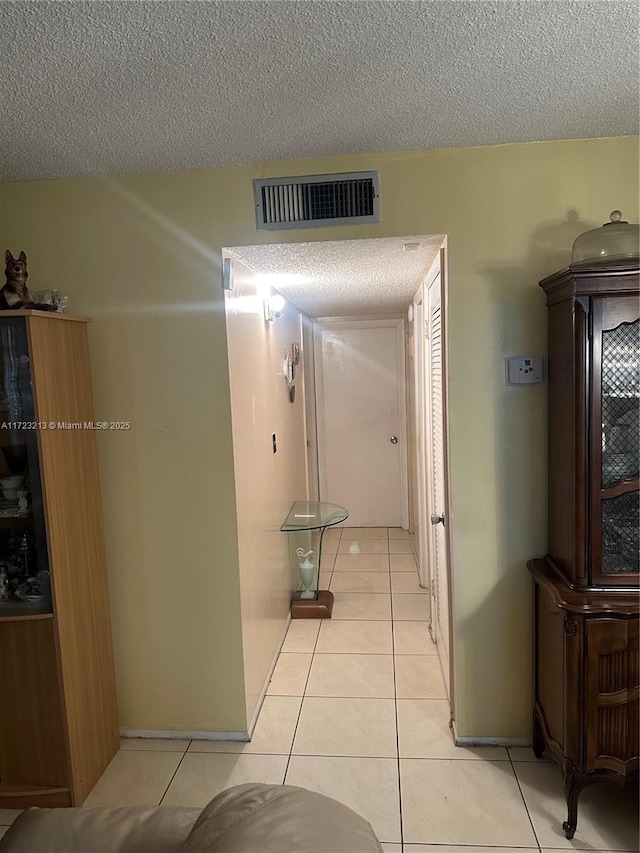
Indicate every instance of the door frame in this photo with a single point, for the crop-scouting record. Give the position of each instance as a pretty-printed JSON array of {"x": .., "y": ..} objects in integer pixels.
[
  {"x": 439, "y": 266},
  {"x": 420, "y": 461},
  {"x": 356, "y": 323},
  {"x": 444, "y": 299},
  {"x": 310, "y": 414}
]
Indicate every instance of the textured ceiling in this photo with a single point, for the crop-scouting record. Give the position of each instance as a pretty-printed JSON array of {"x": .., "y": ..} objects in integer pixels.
[
  {"x": 346, "y": 277},
  {"x": 143, "y": 86}
]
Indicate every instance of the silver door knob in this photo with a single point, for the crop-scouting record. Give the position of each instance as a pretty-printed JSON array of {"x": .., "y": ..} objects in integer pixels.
[
  {"x": 437, "y": 519},
  {"x": 394, "y": 439}
]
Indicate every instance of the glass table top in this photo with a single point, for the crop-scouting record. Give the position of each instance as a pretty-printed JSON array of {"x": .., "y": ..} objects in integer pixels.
[{"x": 311, "y": 515}]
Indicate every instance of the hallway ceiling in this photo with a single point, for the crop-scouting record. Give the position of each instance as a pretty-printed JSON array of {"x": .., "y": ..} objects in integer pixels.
[
  {"x": 345, "y": 277},
  {"x": 108, "y": 87}
]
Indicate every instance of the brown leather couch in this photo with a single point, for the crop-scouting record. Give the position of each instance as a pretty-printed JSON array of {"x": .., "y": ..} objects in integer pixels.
[{"x": 252, "y": 818}]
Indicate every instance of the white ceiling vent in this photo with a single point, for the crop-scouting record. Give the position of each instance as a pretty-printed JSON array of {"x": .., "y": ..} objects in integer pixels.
[{"x": 313, "y": 200}]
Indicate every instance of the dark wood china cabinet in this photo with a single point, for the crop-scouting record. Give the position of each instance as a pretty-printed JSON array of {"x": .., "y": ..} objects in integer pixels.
[{"x": 586, "y": 589}]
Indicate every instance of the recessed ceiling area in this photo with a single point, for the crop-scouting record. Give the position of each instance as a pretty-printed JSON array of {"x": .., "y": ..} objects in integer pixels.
[
  {"x": 344, "y": 278},
  {"x": 115, "y": 87}
]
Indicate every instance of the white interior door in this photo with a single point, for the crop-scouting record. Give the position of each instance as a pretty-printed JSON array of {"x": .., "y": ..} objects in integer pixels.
[
  {"x": 438, "y": 493},
  {"x": 360, "y": 411}
]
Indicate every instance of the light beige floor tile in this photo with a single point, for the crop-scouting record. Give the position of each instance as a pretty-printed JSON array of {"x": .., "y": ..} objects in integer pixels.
[
  {"x": 423, "y": 732},
  {"x": 302, "y": 635},
  {"x": 398, "y": 533},
  {"x": 333, "y": 534},
  {"x": 367, "y": 785},
  {"x": 355, "y": 637},
  {"x": 413, "y": 638},
  {"x": 7, "y": 816},
  {"x": 162, "y": 744},
  {"x": 352, "y": 546},
  {"x": 365, "y": 727},
  {"x": 362, "y": 605},
  {"x": 273, "y": 733},
  {"x": 360, "y": 582},
  {"x": 419, "y": 677},
  {"x": 134, "y": 778},
  {"x": 364, "y": 532},
  {"x": 203, "y": 775},
  {"x": 458, "y": 848},
  {"x": 330, "y": 546},
  {"x": 402, "y": 546},
  {"x": 525, "y": 753},
  {"x": 403, "y": 563},
  {"x": 607, "y": 815},
  {"x": 362, "y": 563},
  {"x": 463, "y": 802},
  {"x": 290, "y": 674},
  {"x": 392, "y": 848},
  {"x": 406, "y": 582},
  {"x": 367, "y": 676},
  {"x": 325, "y": 579},
  {"x": 411, "y": 608},
  {"x": 328, "y": 562}
]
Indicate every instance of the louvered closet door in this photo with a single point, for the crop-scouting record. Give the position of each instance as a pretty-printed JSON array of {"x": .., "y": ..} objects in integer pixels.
[{"x": 438, "y": 508}]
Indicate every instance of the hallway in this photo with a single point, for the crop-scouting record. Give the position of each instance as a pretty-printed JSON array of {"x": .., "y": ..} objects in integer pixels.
[
  {"x": 356, "y": 710},
  {"x": 372, "y": 729}
]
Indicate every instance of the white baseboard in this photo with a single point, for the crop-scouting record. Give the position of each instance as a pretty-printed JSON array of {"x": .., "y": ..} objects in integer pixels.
[
  {"x": 188, "y": 734},
  {"x": 492, "y": 741},
  {"x": 471, "y": 740}
]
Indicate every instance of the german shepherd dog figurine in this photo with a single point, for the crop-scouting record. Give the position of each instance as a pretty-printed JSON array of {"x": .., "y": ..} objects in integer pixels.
[{"x": 15, "y": 293}]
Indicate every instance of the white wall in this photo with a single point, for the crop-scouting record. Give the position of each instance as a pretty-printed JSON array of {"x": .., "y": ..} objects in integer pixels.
[{"x": 267, "y": 483}]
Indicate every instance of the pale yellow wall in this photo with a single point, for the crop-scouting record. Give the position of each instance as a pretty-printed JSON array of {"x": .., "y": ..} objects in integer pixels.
[
  {"x": 267, "y": 483},
  {"x": 130, "y": 256},
  {"x": 141, "y": 253}
]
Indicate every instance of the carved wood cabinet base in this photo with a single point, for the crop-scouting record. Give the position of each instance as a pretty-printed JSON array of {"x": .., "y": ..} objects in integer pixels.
[
  {"x": 586, "y": 592},
  {"x": 587, "y": 684}
]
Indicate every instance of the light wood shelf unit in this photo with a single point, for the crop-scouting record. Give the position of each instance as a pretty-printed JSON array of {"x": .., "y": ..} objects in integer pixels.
[{"x": 58, "y": 713}]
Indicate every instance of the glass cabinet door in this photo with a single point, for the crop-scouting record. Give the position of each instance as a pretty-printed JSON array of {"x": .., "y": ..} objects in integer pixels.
[
  {"x": 25, "y": 587},
  {"x": 616, "y": 441}
]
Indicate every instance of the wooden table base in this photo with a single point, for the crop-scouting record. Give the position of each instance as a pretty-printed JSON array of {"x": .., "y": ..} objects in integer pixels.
[{"x": 312, "y": 608}]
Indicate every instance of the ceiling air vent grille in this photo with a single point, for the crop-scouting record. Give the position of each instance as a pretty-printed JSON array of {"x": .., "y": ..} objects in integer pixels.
[{"x": 317, "y": 200}]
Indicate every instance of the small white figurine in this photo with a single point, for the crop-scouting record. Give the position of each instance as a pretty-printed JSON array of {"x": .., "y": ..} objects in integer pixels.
[
  {"x": 23, "y": 501},
  {"x": 307, "y": 572}
]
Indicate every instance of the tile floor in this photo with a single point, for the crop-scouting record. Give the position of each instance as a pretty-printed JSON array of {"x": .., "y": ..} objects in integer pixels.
[{"x": 356, "y": 709}]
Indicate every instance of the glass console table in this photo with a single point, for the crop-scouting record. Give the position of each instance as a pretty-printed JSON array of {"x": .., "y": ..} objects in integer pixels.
[{"x": 312, "y": 602}]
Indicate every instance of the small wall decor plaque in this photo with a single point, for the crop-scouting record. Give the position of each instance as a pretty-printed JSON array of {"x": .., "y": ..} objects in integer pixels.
[{"x": 289, "y": 369}]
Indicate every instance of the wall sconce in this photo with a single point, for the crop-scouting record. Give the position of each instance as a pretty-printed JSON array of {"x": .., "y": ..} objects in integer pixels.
[{"x": 273, "y": 307}]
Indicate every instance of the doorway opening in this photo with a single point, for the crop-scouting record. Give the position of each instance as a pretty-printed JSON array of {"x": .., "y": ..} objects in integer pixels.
[{"x": 369, "y": 320}]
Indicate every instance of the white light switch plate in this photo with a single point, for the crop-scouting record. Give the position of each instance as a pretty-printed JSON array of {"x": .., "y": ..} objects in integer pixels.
[{"x": 524, "y": 369}]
